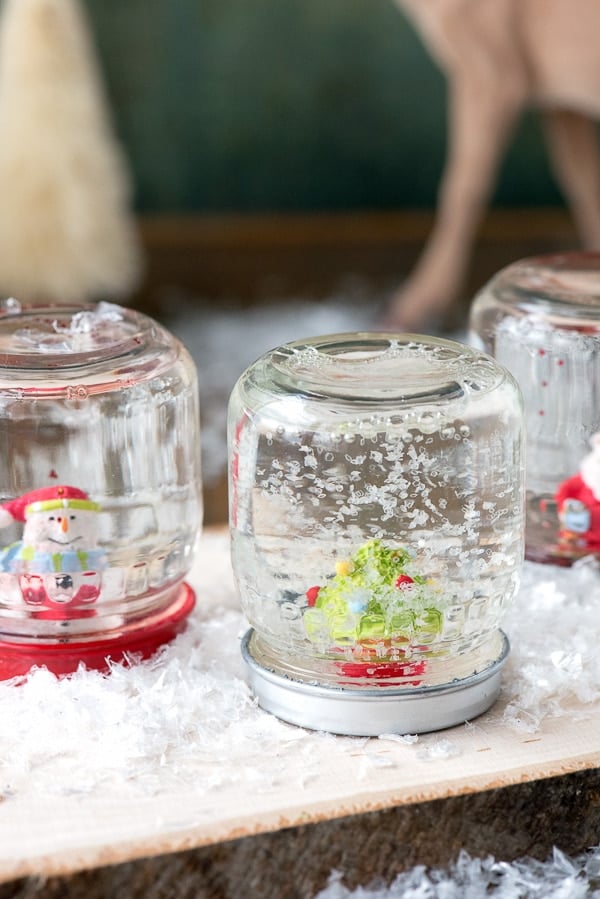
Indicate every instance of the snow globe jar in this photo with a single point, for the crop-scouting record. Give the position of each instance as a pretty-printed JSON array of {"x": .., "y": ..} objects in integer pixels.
[
  {"x": 541, "y": 318},
  {"x": 376, "y": 521},
  {"x": 100, "y": 502}
]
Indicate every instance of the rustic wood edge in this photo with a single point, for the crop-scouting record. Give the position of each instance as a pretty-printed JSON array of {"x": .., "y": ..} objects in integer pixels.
[{"x": 526, "y": 819}]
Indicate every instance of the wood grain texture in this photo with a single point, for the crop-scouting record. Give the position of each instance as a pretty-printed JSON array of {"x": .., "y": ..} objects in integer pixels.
[{"x": 295, "y": 863}]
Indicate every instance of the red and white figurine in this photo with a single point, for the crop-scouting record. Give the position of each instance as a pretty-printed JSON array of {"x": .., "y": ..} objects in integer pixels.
[
  {"x": 58, "y": 561},
  {"x": 578, "y": 504}
]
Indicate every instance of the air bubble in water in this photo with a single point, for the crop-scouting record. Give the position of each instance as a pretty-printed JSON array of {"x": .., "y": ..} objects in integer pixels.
[
  {"x": 428, "y": 423},
  {"x": 10, "y": 306}
]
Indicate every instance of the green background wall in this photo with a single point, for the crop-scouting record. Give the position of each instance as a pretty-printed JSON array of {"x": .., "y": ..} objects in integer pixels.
[{"x": 255, "y": 105}]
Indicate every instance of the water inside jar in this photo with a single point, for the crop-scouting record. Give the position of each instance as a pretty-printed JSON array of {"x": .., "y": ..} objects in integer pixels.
[{"x": 377, "y": 534}]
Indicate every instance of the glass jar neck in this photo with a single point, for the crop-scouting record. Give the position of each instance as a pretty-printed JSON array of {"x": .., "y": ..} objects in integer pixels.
[{"x": 381, "y": 368}]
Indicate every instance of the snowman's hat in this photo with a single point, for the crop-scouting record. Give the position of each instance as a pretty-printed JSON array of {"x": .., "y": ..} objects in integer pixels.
[{"x": 43, "y": 500}]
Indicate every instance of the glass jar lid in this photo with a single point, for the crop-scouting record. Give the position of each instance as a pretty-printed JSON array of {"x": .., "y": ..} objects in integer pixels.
[
  {"x": 62, "y": 336},
  {"x": 378, "y": 368},
  {"x": 48, "y": 350},
  {"x": 560, "y": 286}
]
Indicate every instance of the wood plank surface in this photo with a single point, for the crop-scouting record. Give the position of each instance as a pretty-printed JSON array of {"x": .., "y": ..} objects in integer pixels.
[{"x": 370, "y": 806}]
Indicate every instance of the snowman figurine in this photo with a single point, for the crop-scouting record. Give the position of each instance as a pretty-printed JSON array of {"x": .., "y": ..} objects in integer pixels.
[
  {"x": 578, "y": 504},
  {"x": 57, "y": 561}
]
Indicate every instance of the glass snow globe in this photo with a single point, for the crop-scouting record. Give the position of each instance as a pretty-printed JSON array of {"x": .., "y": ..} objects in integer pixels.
[
  {"x": 376, "y": 516},
  {"x": 540, "y": 317},
  {"x": 100, "y": 501}
]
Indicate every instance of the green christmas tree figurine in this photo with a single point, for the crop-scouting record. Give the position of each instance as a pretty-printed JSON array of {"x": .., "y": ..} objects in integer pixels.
[{"x": 374, "y": 598}]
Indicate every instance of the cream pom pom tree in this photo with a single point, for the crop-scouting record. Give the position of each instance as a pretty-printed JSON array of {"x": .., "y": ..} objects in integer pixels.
[{"x": 66, "y": 232}]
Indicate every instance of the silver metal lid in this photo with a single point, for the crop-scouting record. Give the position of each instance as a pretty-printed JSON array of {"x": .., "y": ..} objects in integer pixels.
[{"x": 367, "y": 712}]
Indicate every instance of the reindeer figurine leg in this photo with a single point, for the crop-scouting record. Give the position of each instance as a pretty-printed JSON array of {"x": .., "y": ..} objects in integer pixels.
[
  {"x": 484, "y": 105},
  {"x": 575, "y": 155}
]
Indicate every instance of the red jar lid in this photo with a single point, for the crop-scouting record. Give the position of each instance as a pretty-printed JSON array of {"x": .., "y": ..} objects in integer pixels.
[{"x": 141, "y": 639}]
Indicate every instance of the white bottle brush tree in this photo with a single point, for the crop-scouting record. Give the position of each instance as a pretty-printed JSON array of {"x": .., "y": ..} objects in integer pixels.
[{"x": 66, "y": 232}]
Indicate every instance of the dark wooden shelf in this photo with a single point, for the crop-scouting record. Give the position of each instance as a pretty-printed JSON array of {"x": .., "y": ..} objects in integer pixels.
[{"x": 250, "y": 258}]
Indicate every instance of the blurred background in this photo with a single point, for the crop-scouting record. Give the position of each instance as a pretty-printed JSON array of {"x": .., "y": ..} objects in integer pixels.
[
  {"x": 286, "y": 154},
  {"x": 284, "y": 160},
  {"x": 292, "y": 148}
]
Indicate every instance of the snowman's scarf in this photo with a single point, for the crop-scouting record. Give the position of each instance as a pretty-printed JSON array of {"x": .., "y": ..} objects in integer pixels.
[{"x": 21, "y": 556}]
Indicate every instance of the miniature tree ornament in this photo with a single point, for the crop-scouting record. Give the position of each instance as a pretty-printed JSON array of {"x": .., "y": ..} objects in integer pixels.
[
  {"x": 373, "y": 604},
  {"x": 66, "y": 232}
]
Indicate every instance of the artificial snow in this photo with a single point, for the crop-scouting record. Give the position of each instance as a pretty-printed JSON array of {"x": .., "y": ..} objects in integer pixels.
[
  {"x": 560, "y": 877},
  {"x": 400, "y": 738},
  {"x": 439, "y": 749},
  {"x": 554, "y": 666},
  {"x": 188, "y": 715}
]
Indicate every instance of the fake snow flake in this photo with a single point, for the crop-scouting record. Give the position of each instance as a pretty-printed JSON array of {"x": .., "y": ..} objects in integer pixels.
[
  {"x": 184, "y": 716},
  {"x": 406, "y": 739},
  {"x": 560, "y": 877},
  {"x": 439, "y": 749},
  {"x": 554, "y": 669}
]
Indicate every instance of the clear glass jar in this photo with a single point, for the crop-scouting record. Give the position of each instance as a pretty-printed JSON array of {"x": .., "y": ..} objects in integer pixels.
[
  {"x": 376, "y": 509},
  {"x": 540, "y": 317},
  {"x": 100, "y": 500}
]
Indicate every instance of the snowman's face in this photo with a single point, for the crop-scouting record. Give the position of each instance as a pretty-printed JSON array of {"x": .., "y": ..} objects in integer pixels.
[{"x": 58, "y": 530}]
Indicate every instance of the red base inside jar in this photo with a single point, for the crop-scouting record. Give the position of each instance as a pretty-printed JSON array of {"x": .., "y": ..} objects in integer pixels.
[
  {"x": 548, "y": 557},
  {"x": 373, "y": 666},
  {"x": 17, "y": 659},
  {"x": 383, "y": 670}
]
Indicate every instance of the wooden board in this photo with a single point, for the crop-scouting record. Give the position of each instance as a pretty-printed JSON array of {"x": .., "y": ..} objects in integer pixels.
[{"x": 357, "y": 794}]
